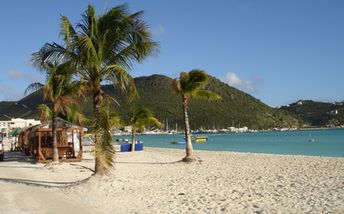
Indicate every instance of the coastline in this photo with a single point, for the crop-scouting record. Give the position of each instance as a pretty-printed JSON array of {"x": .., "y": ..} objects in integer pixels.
[
  {"x": 327, "y": 143},
  {"x": 155, "y": 181}
]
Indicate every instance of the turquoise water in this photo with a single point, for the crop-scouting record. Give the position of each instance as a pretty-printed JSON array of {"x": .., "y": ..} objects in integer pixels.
[{"x": 326, "y": 142}]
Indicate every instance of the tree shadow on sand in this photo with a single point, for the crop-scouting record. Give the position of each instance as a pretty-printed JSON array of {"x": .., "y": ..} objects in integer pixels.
[
  {"x": 153, "y": 163},
  {"x": 17, "y": 157},
  {"x": 48, "y": 184}
]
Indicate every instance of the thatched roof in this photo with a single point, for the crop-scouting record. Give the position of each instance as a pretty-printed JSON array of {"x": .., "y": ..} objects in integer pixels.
[{"x": 61, "y": 123}]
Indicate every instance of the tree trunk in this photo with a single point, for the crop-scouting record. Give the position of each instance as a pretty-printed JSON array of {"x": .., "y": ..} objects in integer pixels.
[
  {"x": 54, "y": 133},
  {"x": 99, "y": 168},
  {"x": 189, "y": 149},
  {"x": 133, "y": 133}
]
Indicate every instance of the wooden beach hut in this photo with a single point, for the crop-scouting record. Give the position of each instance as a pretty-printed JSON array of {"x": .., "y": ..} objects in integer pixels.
[{"x": 37, "y": 141}]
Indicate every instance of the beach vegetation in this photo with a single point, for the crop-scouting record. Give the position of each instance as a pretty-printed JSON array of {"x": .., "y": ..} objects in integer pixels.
[
  {"x": 103, "y": 48},
  {"x": 60, "y": 90},
  {"x": 191, "y": 85},
  {"x": 139, "y": 119}
]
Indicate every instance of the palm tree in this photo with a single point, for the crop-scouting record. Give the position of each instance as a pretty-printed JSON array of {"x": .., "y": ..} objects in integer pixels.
[
  {"x": 191, "y": 84},
  {"x": 103, "y": 48},
  {"x": 138, "y": 120},
  {"x": 58, "y": 89}
]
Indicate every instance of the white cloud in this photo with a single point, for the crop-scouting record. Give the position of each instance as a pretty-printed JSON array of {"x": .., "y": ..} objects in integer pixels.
[
  {"x": 246, "y": 85},
  {"x": 19, "y": 75},
  {"x": 158, "y": 30}
]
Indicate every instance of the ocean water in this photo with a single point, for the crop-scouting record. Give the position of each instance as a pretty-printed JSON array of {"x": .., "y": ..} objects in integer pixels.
[{"x": 328, "y": 142}]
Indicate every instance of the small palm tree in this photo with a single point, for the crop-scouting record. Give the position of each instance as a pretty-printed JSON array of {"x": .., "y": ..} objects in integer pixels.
[
  {"x": 58, "y": 89},
  {"x": 103, "y": 48},
  {"x": 191, "y": 84},
  {"x": 139, "y": 119}
]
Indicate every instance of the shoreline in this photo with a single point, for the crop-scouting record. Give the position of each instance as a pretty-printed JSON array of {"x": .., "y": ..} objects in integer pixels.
[
  {"x": 232, "y": 152},
  {"x": 327, "y": 143},
  {"x": 233, "y": 132}
]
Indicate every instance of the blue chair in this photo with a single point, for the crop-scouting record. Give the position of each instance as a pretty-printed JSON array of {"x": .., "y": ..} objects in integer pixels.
[
  {"x": 139, "y": 147},
  {"x": 126, "y": 147}
]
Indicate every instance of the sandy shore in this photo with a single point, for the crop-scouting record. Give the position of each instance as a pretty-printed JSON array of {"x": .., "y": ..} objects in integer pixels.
[{"x": 153, "y": 181}]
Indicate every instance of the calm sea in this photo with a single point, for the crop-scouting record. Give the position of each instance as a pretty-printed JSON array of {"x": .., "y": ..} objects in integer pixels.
[{"x": 326, "y": 142}]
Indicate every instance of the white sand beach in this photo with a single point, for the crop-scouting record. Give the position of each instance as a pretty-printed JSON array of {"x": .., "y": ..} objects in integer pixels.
[{"x": 153, "y": 181}]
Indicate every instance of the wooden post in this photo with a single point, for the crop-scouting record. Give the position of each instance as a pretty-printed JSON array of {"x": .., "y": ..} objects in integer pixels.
[
  {"x": 39, "y": 145},
  {"x": 80, "y": 145},
  {"x": 73, "y": 143}
]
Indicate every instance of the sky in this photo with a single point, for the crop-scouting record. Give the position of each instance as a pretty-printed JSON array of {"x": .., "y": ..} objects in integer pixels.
[{"x": 278, "y": 51}]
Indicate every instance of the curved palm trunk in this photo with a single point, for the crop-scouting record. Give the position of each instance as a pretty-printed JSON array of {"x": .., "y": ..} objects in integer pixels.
[
  {"x": 54, "y": 133},
  {"x": 99, "y": 168},
  {"x": 133, "y": 141},
  {"x": 189, "y": 149}
]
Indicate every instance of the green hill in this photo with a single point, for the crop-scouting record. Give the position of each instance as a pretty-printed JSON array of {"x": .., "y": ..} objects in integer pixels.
[
  {"x": 24, "y": 108},
  {"x": 236, "y": 109},
  {"x": 317, "y": 114}
]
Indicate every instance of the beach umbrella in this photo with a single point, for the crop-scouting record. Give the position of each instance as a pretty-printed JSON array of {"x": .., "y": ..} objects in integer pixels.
[{"x": 15, "y": 132}]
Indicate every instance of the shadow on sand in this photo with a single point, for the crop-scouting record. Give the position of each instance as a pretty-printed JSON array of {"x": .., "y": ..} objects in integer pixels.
[
  {"x": 48, "y": 184},
  {"x": 153, "y": 163},
  {"x": 17, "y": 157}
]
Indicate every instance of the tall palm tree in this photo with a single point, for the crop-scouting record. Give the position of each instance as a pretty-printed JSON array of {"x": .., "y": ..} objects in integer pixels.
[
  {"x": 58, "y": 89},
  {"x": 103, "y": 48},
  {"x": 191, "y": 84},
  {"x": 139, "y": 119}
]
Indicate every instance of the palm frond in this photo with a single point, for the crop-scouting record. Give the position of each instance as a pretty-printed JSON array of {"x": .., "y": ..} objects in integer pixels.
[
  {"x": 176, "y": 86},
  {"x": 109, "y": 97},
  {"x": 74, "y": 115},
  {"x": 206, "y": 94},
  {"x": 67, "y": 32},
  {"x": 193, "y": 80},
  {"x": 104, "y": 150},
  {"x": 86, "y": 44},
  {"x": 141, "y": 117},
  {"x": 45, "y": 113},
  {"x": 155, "y": 122},
  {"x": 121, "y": 78}
]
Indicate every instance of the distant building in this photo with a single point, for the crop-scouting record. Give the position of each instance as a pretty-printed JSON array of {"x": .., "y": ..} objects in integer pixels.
[
  {"x": 334, "y": 112},
  {"x": 7, "y": 126},
  {"x": 127, "y": 128},
  {"x": 237, "y": 130}
]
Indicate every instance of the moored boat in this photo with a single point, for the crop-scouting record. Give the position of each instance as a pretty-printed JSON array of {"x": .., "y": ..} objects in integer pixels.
[{"x": 201, "y": 139}]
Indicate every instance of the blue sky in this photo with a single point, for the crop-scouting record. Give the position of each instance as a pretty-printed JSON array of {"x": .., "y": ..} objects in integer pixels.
[{"x": 278, "y": 51}]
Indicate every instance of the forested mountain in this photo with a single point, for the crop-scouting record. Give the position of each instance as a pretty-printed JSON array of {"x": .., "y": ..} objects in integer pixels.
[
  {"x": 235, "y": 109},
  {"x": 317, "y": 114}
]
